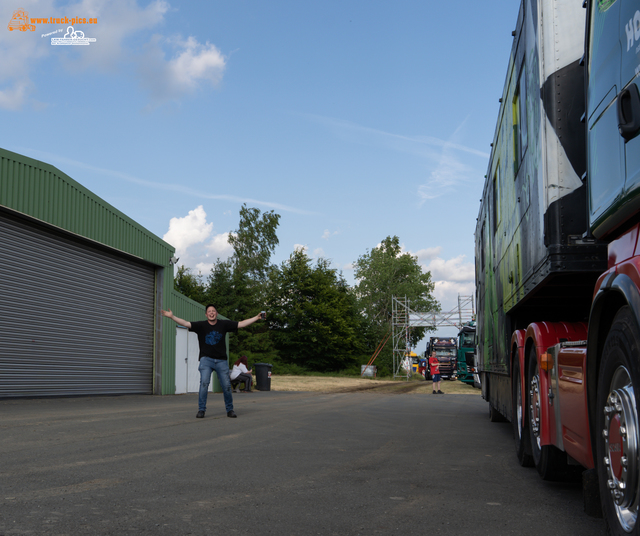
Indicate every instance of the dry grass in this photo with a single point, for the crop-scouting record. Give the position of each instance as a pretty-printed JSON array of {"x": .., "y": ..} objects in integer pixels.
[{"x": 326, "y": 384}]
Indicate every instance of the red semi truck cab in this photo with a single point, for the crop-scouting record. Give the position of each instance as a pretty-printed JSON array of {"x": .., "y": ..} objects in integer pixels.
[
  {"x": 557, "y": 252},
  {"x": 581, "y": 387}
]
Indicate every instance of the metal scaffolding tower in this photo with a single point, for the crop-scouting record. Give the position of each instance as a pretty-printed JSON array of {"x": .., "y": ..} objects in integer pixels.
[{"x": 404, "y": 318}]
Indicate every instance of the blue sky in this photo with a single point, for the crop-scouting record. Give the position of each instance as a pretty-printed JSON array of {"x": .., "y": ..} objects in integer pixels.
[{"x": 353, "y": 120}]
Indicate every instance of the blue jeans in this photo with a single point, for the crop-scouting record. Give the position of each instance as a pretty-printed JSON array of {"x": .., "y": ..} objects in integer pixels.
[{"x": 206, "y": 367}]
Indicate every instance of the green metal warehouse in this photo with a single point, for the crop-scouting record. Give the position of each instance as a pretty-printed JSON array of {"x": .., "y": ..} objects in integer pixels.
[{"x": 81, "y": 288}]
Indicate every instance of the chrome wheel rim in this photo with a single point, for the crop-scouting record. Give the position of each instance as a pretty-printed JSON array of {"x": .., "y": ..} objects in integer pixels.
[
  {"x": 519, "y": 407},
  {"x": 620, "y": 434},
  {"x": 534, "y": 408}
]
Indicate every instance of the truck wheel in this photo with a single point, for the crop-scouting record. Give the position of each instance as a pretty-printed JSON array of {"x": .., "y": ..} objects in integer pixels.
[
  {"x": 547, "y": 458},
  {"x": 617, "y": 425},
  {"x": 518, "y": 419}
]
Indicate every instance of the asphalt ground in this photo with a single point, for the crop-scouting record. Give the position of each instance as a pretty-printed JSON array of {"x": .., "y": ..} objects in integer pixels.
[{"x": 290, "y": 464}]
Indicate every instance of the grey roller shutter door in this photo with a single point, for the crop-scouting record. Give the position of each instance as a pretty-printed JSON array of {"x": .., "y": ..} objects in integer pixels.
[{"x": 74, "y": 319}]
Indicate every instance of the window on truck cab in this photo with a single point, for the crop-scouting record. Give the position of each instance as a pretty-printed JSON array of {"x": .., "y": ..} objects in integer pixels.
[{"x": 468, "y": 340}]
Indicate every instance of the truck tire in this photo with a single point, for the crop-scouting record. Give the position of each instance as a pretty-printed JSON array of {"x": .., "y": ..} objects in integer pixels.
[
  {"x": 519, "y": 420},
  {"x": 549, "y": 461},
  {"x": 617, "y": 425}
]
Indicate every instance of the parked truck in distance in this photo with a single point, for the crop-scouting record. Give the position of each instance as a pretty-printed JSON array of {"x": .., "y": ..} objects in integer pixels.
[
  {"x": 558, "y": 251},
  {"x": 465, "y": 363},
  {"x": 446, "y": 351},
  {"x": 412, "y": 362}
]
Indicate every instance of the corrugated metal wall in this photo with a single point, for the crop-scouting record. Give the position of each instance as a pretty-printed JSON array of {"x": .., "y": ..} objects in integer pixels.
[
  {"x": 74, "y": 319},
  {"x": 43, "y": 192}
]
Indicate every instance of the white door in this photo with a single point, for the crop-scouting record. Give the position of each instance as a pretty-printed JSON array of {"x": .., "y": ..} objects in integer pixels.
[
  {"x": 182, "y": 336},
  {"x": 193, "y": 375},
  {"x": 187, "y": 350}
]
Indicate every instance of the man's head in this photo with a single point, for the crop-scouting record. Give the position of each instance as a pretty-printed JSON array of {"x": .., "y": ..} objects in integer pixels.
[{"x": 211, "y": 312}]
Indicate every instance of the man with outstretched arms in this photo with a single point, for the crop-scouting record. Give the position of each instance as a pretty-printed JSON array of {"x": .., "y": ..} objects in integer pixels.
[{"x": 213, "y": 352}]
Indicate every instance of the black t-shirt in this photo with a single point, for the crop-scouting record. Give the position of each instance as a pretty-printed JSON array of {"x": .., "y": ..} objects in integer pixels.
[{"x": 211, "y": 338}]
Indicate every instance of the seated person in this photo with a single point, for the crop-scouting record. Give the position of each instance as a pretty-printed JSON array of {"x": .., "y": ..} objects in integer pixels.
[{"x": 240, "y": 373}]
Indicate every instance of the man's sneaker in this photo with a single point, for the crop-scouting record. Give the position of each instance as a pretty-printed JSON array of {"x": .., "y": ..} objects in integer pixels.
[
  {"x": 231, "y": 414},
  {"x": 435, "y": 393},
  {"x": 200, "y": 415},
  {"x": 440, "y": 393}
]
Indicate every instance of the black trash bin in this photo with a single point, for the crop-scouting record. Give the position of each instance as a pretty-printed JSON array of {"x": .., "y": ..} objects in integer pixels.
[{"x": 263, "y": 376}]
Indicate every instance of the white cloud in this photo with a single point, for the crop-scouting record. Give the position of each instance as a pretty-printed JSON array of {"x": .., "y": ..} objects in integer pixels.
[
  {"x": 300, "y": 247},
  {"x": 19, "y": 52},
  {"x": 168, "y": 67},
  {"x": 447, "y": 292},
  {"x": 14, "y": 96},
  {"x": 328, "y": 234},
  {"x": 191, "y": 66},
  {"x": 318, "y": 252},
  {"x": 452, "y": 277},
  {"x": 451, "y": 270},
  {"x": 219, "y": 247},
  {"x": 120, "y": 24},
  {"x": 427, "y": 254},
  {"x": 187, "y": 231},
  {"x": 196, "y": 248},
  {"x": 202, "y": 268},
  {"x": 446, "y": 177},
  {"x": 201, "y": 257}
]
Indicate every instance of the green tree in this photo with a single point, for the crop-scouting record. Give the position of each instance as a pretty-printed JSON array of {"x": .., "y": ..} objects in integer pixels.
[
  {"x": 385, "y": 272},
  {"x": 221, "y": 289},
  {"x": 254, "y": 242},
  {"x": 234, "y": 296},
  {"x": 243, "y": 279},
  {"x": 313, "y": 317},
  {"x": 189, "y": 284}
]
